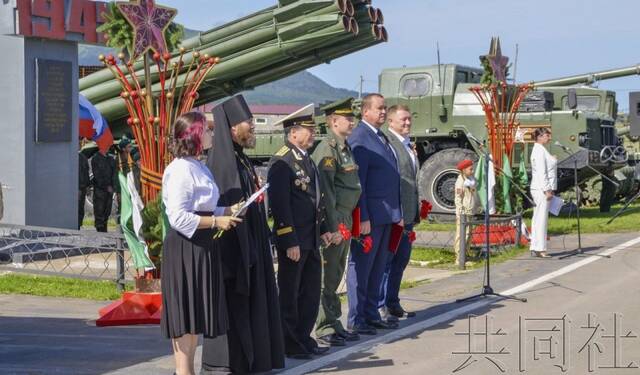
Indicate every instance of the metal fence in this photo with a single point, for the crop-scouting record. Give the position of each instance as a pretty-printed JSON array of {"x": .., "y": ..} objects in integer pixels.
[
  {"x": 505, "y": 232},
  {"x": 105, "y": 256},
  {"x": 70, "y": 253}
]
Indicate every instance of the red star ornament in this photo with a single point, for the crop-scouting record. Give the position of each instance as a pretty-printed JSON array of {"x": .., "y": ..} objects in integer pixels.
[
  {"x": 149, "y": 22},
  {"x": 497, "y": 60}
]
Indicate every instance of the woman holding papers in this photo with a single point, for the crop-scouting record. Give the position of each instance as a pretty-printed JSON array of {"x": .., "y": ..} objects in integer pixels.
[
  {"x": 193, "y": 297},
  {"x": 543, "y": 184}
]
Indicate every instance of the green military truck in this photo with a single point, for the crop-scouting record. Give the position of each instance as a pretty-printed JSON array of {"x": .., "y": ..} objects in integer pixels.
[{"x": 445, "y": 111}]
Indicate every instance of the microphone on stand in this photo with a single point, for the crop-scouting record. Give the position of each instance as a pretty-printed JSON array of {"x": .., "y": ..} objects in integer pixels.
[{"x": 570, "y": 152}]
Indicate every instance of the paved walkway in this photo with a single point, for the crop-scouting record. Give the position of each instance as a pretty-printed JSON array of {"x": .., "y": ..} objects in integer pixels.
[{"x": 57, "y": 335}]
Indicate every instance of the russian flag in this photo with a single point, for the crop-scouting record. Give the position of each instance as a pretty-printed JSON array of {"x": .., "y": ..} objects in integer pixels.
[{"x": 93, "y": 126}]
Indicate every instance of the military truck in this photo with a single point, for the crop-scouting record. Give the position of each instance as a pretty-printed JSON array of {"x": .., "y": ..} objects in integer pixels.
[{"x": 445, "y": 111}]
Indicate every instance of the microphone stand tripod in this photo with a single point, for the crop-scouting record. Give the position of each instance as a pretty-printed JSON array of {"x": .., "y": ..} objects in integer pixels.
[
  {"x": 571, "y": 154},
  {"x": 487, "y": 290}
]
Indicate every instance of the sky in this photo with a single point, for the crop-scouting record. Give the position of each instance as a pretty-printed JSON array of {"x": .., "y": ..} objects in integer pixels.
[{"x": 555, "y": 38}]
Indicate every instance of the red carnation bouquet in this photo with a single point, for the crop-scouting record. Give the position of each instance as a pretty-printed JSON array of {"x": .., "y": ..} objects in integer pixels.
[
  {"x": 425, "y": 209},
  {"x": 411, "y": 235},
  {"x": 366, "y": 242}
]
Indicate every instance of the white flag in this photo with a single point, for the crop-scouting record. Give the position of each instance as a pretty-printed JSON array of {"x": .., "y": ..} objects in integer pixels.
[
  {"x": 136, "y": 215},
  {"x": 492, "y": 184}
]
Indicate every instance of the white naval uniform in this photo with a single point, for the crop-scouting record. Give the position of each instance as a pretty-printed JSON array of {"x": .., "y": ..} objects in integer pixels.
[{"x": 544, "y": 178}]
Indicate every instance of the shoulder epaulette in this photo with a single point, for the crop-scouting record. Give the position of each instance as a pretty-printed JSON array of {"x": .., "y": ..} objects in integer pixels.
[{"x": 283, "y": 151}]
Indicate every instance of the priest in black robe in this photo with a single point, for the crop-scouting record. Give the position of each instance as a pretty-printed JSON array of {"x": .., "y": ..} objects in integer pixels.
[{"x": 254, "y": 342}]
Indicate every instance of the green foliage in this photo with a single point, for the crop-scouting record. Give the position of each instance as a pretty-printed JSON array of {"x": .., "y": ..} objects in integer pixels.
[
  {"x": 117, "y": 29},
  {"x": 487, "y": 74},
  {"x": 174, "y": 35},
  {"x": 152, "y": 229},
  {"x": 58, "y": 287},
  {"x": 120, "y": 33}
]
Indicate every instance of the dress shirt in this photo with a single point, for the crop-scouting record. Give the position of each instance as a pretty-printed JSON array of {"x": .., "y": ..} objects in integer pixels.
[
  {"x": 373, "y": 128},
  {"x": 543, "y": 169},
  {"x": 303, "y": 152},
  {"x": 382, "y": 137},
  {"x": 188, "y": 187},
  {"x": 407, "y": 145}
]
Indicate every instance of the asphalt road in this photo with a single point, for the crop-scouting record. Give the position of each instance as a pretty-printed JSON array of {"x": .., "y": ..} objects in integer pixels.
[{"x": 581, "y": 312}]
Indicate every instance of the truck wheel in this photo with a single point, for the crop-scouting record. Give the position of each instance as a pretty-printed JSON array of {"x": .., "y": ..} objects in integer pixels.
[{"x": 437, "y": 180}]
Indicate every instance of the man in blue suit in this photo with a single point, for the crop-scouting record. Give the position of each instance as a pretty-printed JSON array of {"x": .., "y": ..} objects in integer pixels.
[{"x": 379, "y": 208}]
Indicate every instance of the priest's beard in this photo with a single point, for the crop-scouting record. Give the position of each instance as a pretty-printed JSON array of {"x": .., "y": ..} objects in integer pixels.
[{"x": 247, "y": 141}]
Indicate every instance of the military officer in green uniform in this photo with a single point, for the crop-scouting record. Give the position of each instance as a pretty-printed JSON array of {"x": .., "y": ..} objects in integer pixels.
[{"x": 340, "y": 185}]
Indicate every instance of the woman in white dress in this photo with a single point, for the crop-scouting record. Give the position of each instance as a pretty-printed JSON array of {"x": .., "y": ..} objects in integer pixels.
[
  {"x": 193, "y": 299},
  {"x": 543, "y": 184}
]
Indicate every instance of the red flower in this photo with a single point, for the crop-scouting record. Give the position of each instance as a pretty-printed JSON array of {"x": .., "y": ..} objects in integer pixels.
[
  {"x": 425, "y": 208},
  {"x": 367, "y": 244},
  {"x": 344, "y": 232},
  {"x": 412, "y": 236}
]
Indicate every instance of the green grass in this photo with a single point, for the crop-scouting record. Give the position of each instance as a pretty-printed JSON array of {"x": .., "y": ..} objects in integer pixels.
[
  {"x": 445, "y": 259},
  {"x": 425, "y": 225},
  {"x": 53, "y": 286},
  {"x": 593, "y": 221},
  {"x": 90, "y": 223}
]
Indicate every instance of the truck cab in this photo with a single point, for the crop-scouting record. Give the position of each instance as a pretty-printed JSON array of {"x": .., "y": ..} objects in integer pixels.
[{"x": 445, "y": 111}]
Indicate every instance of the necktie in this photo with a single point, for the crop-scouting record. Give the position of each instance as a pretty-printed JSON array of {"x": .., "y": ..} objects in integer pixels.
[{"x": 385, "y": 140}]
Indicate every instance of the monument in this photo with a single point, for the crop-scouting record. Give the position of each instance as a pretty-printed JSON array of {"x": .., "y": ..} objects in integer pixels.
[{"x": 39, "y": 107}]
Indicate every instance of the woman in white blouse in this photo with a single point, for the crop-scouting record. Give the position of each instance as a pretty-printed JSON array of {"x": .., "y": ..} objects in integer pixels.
[
  {"x": 543, "y": 184},
  {"x": 192, "y": 286}
]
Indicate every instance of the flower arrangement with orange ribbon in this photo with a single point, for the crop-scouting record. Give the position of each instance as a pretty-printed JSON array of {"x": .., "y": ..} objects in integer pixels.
[
  {"x": 153, "y": 108},
  {"x": 151, "y": 114},
  {"x": 500, "y": 103},
  {"x": 366, "y": 242}
]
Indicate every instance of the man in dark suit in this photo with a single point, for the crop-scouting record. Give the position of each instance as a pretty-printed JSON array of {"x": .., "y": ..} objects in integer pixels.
[
  {"x": 379, "y": 206},
  {"x": 294, "y": 197},
  {"x": 399, "y": 121}
]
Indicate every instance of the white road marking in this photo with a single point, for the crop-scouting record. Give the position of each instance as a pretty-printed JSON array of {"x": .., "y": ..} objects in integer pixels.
[{"x": 449, "y": 315}]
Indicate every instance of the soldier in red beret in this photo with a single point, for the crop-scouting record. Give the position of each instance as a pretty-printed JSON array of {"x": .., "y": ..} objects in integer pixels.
[{"x": 465, "y": 199}]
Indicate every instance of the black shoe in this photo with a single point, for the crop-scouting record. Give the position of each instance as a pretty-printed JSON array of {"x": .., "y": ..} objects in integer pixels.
[
  {"x": 381, "y": 324},
  {"x": 400, "y": 312},
  {"x": 319, "y": 350},
  {"x": 364, "y": 329},
  {"x": 298, "y": 355},
  {"x": 349, "y": 336},
  {"x": 333, "y": 339}
]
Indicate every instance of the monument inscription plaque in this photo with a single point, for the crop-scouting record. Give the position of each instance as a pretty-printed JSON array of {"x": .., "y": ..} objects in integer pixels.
[{"x": 53, "y": 100}]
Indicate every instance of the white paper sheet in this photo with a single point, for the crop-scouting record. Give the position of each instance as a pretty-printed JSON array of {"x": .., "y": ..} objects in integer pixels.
[
  {"x": 251, "y": 199},
  {"x": 555, "y": 205}
]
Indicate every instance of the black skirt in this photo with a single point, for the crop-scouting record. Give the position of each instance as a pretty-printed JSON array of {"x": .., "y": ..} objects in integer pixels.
[{"x": 193, "y": 299}]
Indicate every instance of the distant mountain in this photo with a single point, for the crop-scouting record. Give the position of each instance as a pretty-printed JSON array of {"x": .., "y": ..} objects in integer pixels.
[{"x": 300, "y": 88}]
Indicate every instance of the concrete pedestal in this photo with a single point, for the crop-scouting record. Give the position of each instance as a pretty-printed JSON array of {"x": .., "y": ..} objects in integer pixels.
[{"x": 38, "y": 131}]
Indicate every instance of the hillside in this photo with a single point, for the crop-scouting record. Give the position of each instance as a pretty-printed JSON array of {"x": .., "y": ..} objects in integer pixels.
[{"x": 300, "y": 88}]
